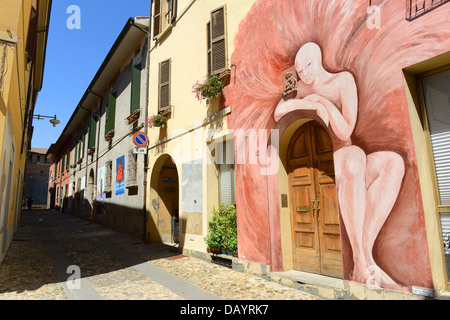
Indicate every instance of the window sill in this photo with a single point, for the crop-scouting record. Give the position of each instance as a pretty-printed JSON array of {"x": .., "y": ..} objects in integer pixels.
[
  {"x": 164, "y": 33},
  {"x": 109, "y": 135},
  {"x": 134, "y": 116},
  {"x": 91, "y": 151}
]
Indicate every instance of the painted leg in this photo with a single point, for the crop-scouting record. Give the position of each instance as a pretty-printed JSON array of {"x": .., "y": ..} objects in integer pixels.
[
  {"x": 384, "y": 175},
  {"x": 350, "y": 168}
]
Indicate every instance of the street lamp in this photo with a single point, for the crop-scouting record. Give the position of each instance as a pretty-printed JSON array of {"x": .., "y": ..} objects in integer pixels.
[{"x": 53, "y": 119}]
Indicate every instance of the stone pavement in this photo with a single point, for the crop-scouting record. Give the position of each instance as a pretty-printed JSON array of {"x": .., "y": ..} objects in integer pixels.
[{"x": 114, "y": 266}]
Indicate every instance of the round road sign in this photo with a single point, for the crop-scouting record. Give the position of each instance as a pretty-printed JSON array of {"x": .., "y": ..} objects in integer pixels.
[{"x": 140, "y": 139}]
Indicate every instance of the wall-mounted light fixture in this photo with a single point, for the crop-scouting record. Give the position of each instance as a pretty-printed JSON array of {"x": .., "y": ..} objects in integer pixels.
[{"x": 53, "y": 119}]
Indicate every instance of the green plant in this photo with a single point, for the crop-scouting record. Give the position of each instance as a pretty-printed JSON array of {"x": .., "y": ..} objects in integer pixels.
[
  {"x": 156, "y": 120},
  {"x": 230, "y": 240},
  {"x": 211, "y": 86},
  {"x": 223, "y": 229}
]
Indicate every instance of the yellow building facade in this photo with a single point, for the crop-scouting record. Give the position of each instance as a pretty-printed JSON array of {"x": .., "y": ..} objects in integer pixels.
[
  {"x": 183, "y": 187},
  {"x": 23, "y": 38}
]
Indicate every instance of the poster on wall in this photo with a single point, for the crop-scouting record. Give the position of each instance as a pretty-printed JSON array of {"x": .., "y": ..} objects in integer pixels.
[
  {"x": 101, "y": 196},
  {"x": 120, "y": 175},
  {"x": 83, "y": 183}
]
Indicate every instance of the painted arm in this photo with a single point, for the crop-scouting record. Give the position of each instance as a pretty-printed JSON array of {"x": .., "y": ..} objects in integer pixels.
[
  {"x": 342, "y": 123},
  {"x": 285, "y": 107}
]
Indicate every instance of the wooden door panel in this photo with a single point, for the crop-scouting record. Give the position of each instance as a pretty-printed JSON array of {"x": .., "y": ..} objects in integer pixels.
[
  {"x": 315, "y": 232},
  {"x": 303, "y": 213}
]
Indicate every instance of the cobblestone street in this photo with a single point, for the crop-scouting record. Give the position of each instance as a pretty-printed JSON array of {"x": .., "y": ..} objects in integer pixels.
[{"x": 114, "y": 266}]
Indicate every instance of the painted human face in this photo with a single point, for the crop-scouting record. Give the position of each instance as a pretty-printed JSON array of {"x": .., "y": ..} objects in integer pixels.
[{"x": 308, "y": 63}]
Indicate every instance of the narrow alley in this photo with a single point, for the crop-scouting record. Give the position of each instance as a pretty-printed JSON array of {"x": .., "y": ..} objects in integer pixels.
[{"x": 49, "y": 247}]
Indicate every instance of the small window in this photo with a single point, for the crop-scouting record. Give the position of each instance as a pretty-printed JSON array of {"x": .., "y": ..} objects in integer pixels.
[
  {"x": 108, "y": 177},
  {"x": 110, "y": 116},
  {"x": 164, "y": 86},
  {"x": 227, "y": 184},
  {"x": 132, "y": 169},
  {"x": 92, "y": 133},
  {"x": 216, "y": 42},
  {"x": 164, "y": 14},
  {"x": 135, "y": 88}
]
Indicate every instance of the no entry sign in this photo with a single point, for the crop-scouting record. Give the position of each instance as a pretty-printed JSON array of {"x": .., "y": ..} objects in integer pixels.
[{"x": 140, "y": 139}]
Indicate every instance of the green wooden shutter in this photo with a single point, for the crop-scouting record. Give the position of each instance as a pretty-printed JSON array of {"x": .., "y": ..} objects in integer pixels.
[
  {"x": 135, "y": 88},
  {"x": 92, "y": 133},
  {"x": 110, "y": 113},
  {"x": 68, "y": 160},
  {"x": 75, "y": 150},
  {"x": 83, "y": 143},
  {"x": 63, "y": 164}
]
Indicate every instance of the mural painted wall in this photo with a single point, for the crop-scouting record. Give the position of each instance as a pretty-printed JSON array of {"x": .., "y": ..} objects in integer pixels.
[{"x": 349, "y": 79}]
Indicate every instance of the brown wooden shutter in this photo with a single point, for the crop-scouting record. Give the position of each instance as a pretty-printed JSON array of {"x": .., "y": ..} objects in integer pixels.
[
  {"x": 164, "y": 85},
  {"x": 208, "y": 41},
  {"x": 157, "y": 18},
  {"x": 173, "y": 10},
  {"x": 32, "y": 35},
  {"x": 218, "y": 41}
]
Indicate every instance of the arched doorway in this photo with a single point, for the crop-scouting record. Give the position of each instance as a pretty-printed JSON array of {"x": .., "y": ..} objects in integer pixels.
[
  {"x": 163, "y": 225},
  {"x": 90, "y": 194},
  {"x": 316, "y": 243}
]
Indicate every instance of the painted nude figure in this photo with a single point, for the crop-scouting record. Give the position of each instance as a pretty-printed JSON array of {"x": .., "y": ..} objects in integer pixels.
[{"x": 367, "y": 185}]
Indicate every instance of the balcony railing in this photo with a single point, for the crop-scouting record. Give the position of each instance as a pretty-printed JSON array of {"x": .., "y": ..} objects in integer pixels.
[{"x": 418, "y": 8}]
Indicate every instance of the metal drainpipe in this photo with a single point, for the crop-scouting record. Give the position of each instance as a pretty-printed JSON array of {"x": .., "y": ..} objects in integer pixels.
[{"x": 146, "y": 238}]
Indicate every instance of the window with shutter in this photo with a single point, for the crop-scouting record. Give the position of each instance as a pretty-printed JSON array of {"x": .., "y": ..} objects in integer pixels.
[
  {"x": 164, "y": 86},
  {"x": 92, "y": 133},
  {"x": 63, "y": 164},
  {"x": 108, "y": 176},
  {"x": 157, "y": 18},
  {"x": 217, "y": 46},
  {"x": 227, "y": 184},
  {"x": 165, "y": 12},
  {"x": 132, "y": 169},
  {"x": 208, "y": 46},
  {"x": 110, "y": 116},
  {"x": 75, "y": 152},
  {"x": 32, "y": 35},
  {"x": 68, "y": 161},
  {"x": 436, "y": 95},
  {"x": 135, "y": 88}
]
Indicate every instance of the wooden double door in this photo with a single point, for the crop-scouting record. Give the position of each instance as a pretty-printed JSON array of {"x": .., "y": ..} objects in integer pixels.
[{"x": 313, "y": 202}]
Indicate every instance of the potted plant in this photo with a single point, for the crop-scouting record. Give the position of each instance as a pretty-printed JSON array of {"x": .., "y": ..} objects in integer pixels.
[
  {"x": 230, "y": 241},
  {"x": 214, "y": 240},
  {"x": 223, "y": 231},
  {"x": 211, "y": 87},
  {"x": 156, "y": 120}
]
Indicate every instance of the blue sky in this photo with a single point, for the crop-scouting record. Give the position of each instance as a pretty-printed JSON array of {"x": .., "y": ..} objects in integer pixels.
[{"x": 75, "y": 55}]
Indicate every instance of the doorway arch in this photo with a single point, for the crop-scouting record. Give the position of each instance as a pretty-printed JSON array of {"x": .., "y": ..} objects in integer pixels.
[
  {"x": 284, "y": 259},
  {"x": 162, "y": 225}
]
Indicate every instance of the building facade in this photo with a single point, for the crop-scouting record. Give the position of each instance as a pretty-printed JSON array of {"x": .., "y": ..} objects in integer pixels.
[
  {"x": 23, "y": 38},
  {"x": 336, "y": 116},
  {"x": 97, "y": 174},
  {"x": 36, "y": 179}
]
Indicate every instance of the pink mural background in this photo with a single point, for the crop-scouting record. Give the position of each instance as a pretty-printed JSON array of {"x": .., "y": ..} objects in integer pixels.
[{"x": 266, "y": 43}]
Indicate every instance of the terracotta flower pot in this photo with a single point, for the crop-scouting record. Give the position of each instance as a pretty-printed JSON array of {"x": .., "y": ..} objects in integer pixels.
[{"x": 215, "y": 250}]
